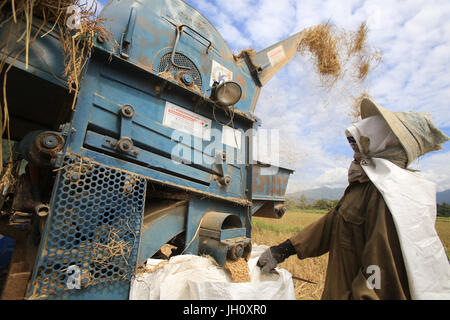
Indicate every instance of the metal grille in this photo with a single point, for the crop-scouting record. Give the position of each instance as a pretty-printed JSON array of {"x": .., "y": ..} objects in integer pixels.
[
  {"x": 165, "y": 65},
  {"x": 94, "y": 225}
]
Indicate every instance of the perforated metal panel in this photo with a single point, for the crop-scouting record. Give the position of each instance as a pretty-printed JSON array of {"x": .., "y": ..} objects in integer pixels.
[
  {"x": 165, "y": 65},
  {"x": 94, "y": 224}
]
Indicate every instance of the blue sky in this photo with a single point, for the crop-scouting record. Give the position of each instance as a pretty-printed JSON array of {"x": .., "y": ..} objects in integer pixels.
[{"x": 414, "y": 37}]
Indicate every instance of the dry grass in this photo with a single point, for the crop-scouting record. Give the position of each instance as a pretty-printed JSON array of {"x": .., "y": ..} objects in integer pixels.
[
  {"x": 443, "y": 230},
  {"x": 272, "y": 232},
  {"x": 368, "y": 58},
  {"x": 338, "y": 52},
  {"x": 324, "y": 43},
  {"x": 366, "y": 64},
  {"x": 359, "y": 39},
  {"x": 355, "y": 108},
  {"x": 76, "y": 44},
  {"x": 115, "y": 247}
]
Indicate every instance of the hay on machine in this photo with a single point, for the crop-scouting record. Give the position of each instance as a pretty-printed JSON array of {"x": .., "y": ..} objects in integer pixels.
[
  {"x": 24, "y": 21},
  {"x": 77, "y": 39}
]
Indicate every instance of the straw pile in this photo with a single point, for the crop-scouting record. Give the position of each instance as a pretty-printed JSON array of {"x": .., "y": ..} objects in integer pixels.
[
  {"x": 115, "y": 246},
  {"x": 324, "y": 43},
  {"x": 76, "y": 42},
  {"x": 368, "y": 58},
  {"x": 336, "y": 52}
]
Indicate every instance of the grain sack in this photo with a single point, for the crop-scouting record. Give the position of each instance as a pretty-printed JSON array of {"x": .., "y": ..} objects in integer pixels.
[{"x": 190, "y": 277}]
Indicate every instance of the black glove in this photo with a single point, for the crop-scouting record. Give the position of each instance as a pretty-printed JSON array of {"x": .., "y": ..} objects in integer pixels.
[{"x": 275, "y": 255}]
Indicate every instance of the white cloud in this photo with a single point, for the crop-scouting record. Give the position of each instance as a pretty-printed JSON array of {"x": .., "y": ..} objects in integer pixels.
[
  {"x": 335, "y": 177},
  {"x": 271, "y": 21},
  {"x": 91, "y": 2},
  {"x": 436, "y": 167}
]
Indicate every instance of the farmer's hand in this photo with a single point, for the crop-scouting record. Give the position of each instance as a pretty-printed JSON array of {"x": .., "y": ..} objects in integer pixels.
[
  {"x": 275, "y": 255},
  {"x": 267, "y": 261}
]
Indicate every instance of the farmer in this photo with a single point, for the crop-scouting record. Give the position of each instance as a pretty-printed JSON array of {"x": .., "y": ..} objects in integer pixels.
[{"x": 381, "y": 238}]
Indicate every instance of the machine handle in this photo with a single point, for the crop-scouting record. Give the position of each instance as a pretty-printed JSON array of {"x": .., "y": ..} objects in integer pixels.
[
  {"x": 127, "y": 37},
  {"x": 179, "y": 32}
]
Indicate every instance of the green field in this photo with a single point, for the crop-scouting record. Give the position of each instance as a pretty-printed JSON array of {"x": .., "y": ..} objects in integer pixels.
[{"x": 273, "y": 231}]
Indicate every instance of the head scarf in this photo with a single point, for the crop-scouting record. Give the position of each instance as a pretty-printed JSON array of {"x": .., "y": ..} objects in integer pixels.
[{"x": 374, "y": 138}]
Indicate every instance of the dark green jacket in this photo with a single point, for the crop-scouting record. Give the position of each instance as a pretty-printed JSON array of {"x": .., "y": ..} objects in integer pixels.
[{"x": 361, "y": 239}]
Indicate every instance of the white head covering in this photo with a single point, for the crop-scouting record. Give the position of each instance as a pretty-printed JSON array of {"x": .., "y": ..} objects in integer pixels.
[{"x": 379, "y": 133}]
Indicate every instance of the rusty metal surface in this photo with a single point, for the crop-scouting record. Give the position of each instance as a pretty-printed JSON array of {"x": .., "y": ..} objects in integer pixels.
[
  {"x": 39, "y": 147},
  {"x": 44, "y": 59},
  {"x": 269, "y": 186},
  {"x": 270, "y": 209}
]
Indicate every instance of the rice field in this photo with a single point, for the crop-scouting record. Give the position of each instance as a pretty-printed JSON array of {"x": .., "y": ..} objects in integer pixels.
[{"x": 272, "y": 232}]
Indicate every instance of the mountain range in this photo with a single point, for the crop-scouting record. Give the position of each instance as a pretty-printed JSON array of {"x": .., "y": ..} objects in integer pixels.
[
  {"x": 317, "y": 194},
  {"x": 336, "y": 193},
  {"x": 443, "y": 196}
]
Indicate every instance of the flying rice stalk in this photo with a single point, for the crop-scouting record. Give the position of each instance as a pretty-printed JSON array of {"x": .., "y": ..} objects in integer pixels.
[
  {"x": 355, "y": 107},
  {"x": 333, "y": 49},
  {"x": 324, "y": 44},
  {"x": 343, "y": 59},
  {"x": 359, "y": 38}
]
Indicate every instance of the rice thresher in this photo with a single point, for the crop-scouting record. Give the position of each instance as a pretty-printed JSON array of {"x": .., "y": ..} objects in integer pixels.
[{"x": 158, "y": 150}]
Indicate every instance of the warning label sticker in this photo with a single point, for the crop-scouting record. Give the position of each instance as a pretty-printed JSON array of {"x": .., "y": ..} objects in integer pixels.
[
  {"x": 178, "y": 118},
  {"x": 219, "y": 73},
  {"x": 276, "y": 55}
]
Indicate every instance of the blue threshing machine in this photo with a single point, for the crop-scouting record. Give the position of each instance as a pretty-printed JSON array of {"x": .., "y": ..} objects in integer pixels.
[{"x": 157, "y": 150}]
